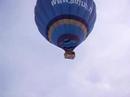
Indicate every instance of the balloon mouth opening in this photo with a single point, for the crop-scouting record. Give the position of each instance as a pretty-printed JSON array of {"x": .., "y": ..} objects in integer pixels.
[{"x": 69, "y": 54}]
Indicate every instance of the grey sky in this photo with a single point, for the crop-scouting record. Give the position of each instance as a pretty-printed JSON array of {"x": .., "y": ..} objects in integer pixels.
[{"x": 31, "y": 67}]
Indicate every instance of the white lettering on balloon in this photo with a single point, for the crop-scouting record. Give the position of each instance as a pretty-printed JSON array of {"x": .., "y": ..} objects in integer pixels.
[{"x": 77, "y": 2}]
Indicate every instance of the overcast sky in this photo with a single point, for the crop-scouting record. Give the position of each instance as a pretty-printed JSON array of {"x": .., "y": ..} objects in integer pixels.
[{"x": 32, "y": 67}]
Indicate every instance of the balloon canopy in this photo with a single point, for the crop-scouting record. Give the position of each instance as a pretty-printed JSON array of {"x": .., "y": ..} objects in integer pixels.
[{"x": 65, "y": 23}]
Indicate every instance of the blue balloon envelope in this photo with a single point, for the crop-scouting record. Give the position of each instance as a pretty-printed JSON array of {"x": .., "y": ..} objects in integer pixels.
[{"x": 65, "y": 23}]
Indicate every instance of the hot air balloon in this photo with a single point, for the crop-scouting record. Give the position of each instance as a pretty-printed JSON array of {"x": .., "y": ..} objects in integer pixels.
[{"x": 65, "y": 23}]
